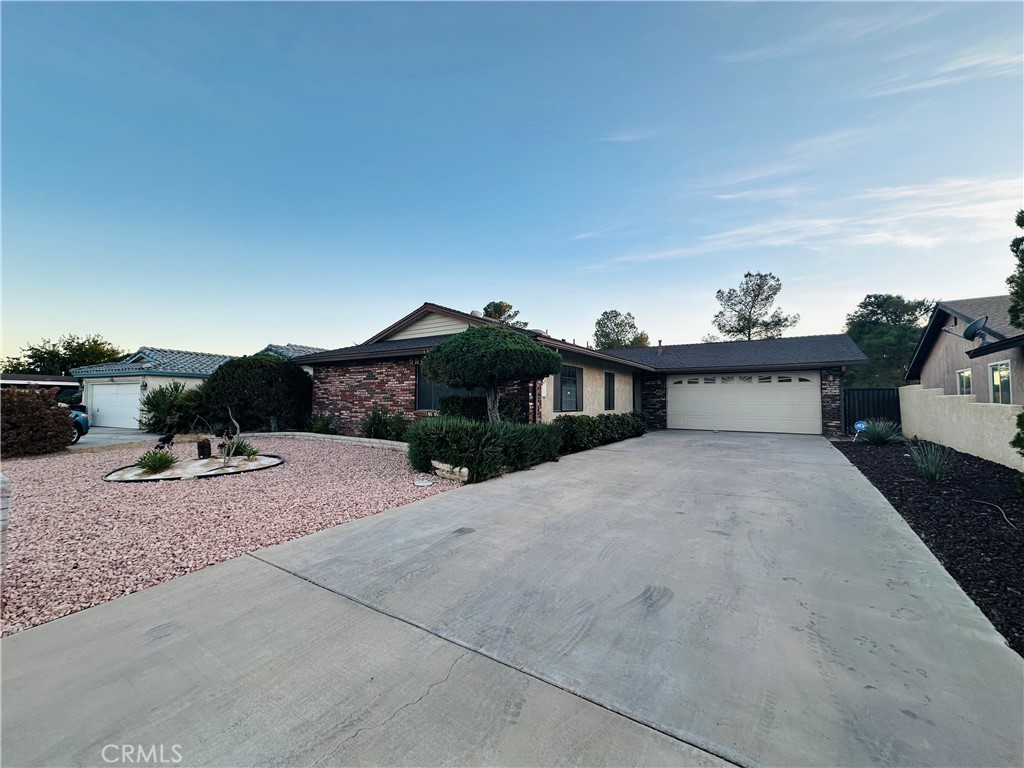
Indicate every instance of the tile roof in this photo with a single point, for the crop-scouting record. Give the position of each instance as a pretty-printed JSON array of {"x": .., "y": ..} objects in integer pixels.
[
  {"x": 288, "y": 351},
  {"x": 762, "y": 354},
  {"x": 154, "y": 360}
]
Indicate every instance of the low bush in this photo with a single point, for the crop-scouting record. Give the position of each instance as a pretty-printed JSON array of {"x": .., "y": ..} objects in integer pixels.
[
  {"x": 156, "y": 460},
  {"x": 933, "y": 461},
  {"x": 381, "y": 424},
  {"x": 159, "y": 409},
  {"x": 881, "y": 432},
  {"x": 581, "y": 433},
  {"x": 33, "y": 422},
  {"x": 322, "y": 424},
  {"x": 486, "y": 449},
  {"x": 1018, "y": 443},
  {"x": 237, "y": 447},
  {"x": 475, "y": 407}
]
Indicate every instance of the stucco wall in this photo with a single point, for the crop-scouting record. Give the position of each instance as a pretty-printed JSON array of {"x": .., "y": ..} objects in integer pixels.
[
  {"x": 593, "y": 389},
  {"x": 949, "y": 355},
  {"x": 980, "y": 429}
]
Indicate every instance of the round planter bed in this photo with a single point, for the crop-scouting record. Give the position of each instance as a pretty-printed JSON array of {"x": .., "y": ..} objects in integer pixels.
[{"x": 193, "y": 469}]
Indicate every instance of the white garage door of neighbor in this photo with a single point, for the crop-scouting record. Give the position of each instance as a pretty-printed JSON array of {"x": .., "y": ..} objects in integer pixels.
[
  {"x": 789, "y": 401},
  {"x": 115, "y": 405}
]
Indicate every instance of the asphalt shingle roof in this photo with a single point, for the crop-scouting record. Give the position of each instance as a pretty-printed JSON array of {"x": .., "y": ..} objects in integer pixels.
[
  {"x": 377, "y": 349},
  {"x": 996, "y": 307},
  {"x": 793, "y": 352},
  {"x": 154, "y": 360}
]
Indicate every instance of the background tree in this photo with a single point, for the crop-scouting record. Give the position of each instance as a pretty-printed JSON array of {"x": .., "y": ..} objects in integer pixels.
[
  {"x": 747, "y": 311},
  {"x": 710, "y": 338},
  {"x": 489, "y": 356},
  {"x": 262, "y": 391},
  {"x": 887, "y": 328},
  {"x": 57, "y": 358},
  {"x": 502, "y": 312},
  {"x": 1016, "y": 280},
  {"x": 614, "y": 330}
]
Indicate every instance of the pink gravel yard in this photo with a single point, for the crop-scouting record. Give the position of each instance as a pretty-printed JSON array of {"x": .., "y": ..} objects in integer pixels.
[{"x": 75, "y": 541}]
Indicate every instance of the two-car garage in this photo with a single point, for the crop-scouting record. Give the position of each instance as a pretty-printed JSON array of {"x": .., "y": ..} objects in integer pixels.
[{"x": 788, "y": 401}]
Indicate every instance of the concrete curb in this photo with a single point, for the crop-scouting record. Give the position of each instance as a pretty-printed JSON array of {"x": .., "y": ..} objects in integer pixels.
[{"x": 368, "y": 442}]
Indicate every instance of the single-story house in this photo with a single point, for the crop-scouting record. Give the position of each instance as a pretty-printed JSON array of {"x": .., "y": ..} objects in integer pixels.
[
  {"x": 774, "y": 385},
  {"x": 970, "y": 390},
  {"x": 992, "y": 370},
  {"x": 113, "y": 391}
]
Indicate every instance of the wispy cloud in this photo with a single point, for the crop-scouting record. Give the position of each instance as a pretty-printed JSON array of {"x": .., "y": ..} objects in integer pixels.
[
  {"x": 629, "y": 136},
  {"x": 910, "y": 217},
  {"x": 837, "y": 32},
  {"x": 592, "y": 234},
  {"x": 997, "y": 59},
  {"x": 763, "y": 194}
]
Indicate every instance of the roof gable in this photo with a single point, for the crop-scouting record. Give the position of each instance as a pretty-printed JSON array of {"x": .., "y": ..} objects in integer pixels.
[
  {"x": 998, "y": 330},
  {"x": 429, "y": 320}
]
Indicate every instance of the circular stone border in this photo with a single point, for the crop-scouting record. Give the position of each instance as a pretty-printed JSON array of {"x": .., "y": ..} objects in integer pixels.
[{"x": 108, "y": 479}]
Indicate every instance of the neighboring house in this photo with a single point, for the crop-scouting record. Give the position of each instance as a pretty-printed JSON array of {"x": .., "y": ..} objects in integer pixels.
[
  {"x": 61, "y": 385},
  {"x": 777, "y": 385},
  {"x": 992, "y": 371},
  {"x": 289, "y": 351},
  {"x": 113, "y": 391},
  {"x": 970, "y": 391}
]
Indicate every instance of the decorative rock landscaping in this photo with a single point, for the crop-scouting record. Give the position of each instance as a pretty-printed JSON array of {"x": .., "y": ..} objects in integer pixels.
[
  {"x": 75, "y": 541},
  {"x": 194, "y": 468}
]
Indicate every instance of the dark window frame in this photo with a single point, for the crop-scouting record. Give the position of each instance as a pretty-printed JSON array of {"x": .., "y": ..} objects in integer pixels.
[
  {"x": 577, "y": 388},
  {"x": 429, "y": 393},
  {"x": 609, "y": 391}
]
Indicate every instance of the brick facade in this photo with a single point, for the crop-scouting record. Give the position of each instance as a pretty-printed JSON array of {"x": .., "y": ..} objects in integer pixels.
[
  {"x": 349, "y": 391},
  {"x": 832, "y": 402},
  {"x": 654, "y": 400}
]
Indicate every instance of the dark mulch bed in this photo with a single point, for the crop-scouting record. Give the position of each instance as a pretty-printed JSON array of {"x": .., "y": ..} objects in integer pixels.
[{"x": 973, "y": 541}]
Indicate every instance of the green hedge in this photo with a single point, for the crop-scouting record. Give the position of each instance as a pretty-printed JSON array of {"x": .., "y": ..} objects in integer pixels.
[
  {"x": 581, "y": 433},
  {"x": 486, "y": 449},
  {"x": 475, "y": 407}
]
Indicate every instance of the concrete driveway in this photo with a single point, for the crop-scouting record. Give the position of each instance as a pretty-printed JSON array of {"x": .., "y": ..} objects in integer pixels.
[
  {"x": 680, "y": 599},
  {"x": 101, "y": 437}
]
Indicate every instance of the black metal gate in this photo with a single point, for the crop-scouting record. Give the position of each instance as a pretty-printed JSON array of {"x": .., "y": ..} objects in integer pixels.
[{"x": 870, "y": 404}]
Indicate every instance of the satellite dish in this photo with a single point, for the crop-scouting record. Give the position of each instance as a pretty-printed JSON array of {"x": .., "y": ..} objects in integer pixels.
[{"x": 973, "y": 331}]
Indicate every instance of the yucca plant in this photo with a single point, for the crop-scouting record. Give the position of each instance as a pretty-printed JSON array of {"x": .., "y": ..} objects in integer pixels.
[
  {"x": 933, "y": 461},
  {"x": 156, "y": 461},
  {"x": 881, "y": 432}
]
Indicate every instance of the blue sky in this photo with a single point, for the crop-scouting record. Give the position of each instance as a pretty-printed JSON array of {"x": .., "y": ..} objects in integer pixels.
[{"x": 218, "y": 176}]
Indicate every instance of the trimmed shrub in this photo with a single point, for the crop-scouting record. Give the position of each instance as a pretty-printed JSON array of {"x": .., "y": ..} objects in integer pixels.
[
  {"x": 475, "y": 407},
  {"x": 933, "y": 461},
  {"x": 264, "y": 392},
  {"x": 381, "y": 424},
  {"x": 881, "y": 432},
  {"x": 581, "y": 433},
  {"x": 32, "y": 422},
  {"x": 487, "y": 449}
]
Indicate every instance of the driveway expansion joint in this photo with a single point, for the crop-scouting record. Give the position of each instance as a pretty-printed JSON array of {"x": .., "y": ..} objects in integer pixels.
[{"x": 720, "y": 754}]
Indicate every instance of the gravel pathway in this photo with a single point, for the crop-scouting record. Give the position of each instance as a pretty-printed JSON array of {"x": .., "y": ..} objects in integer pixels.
[{"x": 75, "y": 541}]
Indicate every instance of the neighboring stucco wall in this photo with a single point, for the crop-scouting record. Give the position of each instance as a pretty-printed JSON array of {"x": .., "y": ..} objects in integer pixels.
[
  {"x": 593, "y": 389},
  {"x": 980, "y": 429},
  {"x": 949, "y": 355}
]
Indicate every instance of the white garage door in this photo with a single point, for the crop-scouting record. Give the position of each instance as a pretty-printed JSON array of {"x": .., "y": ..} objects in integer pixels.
[
  {"x": 746, "y": 402},
  {"x": 115, "y": 405}
]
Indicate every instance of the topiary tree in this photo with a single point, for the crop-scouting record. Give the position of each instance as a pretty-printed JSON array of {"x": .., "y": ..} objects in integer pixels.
[
  {"x": 490, "y": 356},
  {"x": 262, "y": 391}
]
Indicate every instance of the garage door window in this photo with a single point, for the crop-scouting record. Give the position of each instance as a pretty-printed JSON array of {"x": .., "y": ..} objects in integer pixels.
[{"x": 568, "y": 389}]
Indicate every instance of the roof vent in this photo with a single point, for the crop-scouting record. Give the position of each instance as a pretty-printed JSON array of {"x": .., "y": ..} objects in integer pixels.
[
  {"x": 477, "y": 313},
  {"x": 660, "y": 350}
]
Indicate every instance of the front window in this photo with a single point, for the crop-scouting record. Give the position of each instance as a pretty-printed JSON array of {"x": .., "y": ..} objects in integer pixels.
[
  {"x": 429, "y": 393},
  {"x": 999, "y": 376},
  {"x": 609, "y": 391},
  {"x": 963, "y": 382},
  {"x": 569, "y": 389}
]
